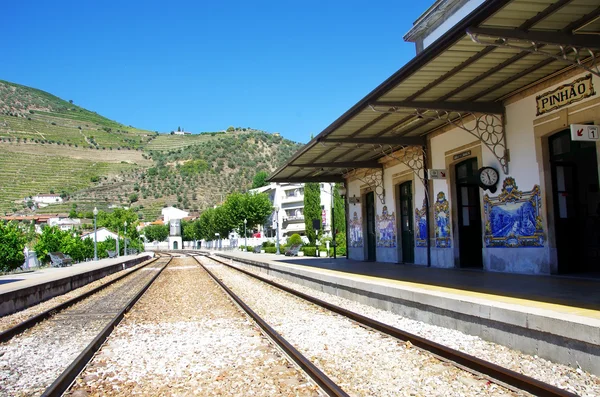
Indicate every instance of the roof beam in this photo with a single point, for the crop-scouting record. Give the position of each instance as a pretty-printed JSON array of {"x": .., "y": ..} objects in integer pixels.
[
  {"x": 323, "y": 178},
  {"x": 340, "y": 164},
  {"x": 407, "y": 141},
  {"x": 587, "y": 41},
  {"x": 479, "y": 107}
]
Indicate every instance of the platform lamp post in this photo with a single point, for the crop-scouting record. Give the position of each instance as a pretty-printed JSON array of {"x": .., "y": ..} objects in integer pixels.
[
  {"x": 125, "y": 237},
  {"x": 276, "y": 208},
  {"x": 95, "y": 212},
  {"x": 245, "y": 235}
]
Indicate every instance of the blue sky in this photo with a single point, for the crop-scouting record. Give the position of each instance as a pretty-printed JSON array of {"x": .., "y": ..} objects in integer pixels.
[{"x": 288, "y": 67}]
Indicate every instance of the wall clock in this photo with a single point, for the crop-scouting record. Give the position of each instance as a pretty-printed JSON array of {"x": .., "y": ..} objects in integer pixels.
[{"x": 488, "y": 178}]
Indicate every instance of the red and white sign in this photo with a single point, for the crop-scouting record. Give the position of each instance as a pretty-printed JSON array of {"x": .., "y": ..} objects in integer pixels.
[
  {"x": 582, "y": 132},
  {"x": 323, "y": 216},
  {"x": 437, "y": 174}
]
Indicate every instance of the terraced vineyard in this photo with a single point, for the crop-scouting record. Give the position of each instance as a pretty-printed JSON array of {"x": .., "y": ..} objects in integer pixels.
[
  {"x": 49, "y": 144},
  {"x": 166, "y": 142},
  {"x": 24, "y": 175}
]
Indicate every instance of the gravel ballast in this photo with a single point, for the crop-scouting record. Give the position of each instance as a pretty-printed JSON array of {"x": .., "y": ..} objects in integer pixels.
[
  {"x": 11, "y": 320},
  {"x": 361, "y": 361},
  {"x": 574, "y": 380},
  {"x": 185, "y": 337},
  {"x": 31, "y": 361}
]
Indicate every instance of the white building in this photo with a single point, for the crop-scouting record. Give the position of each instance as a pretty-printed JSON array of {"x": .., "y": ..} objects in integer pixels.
[
  {"x": 169, "y": 213},
  {"x": 289, "y": 198},
  {"x": 102, "y": 233},
  {"x": 47, "y": 199},
  {"x": 64, "y": 223},
  {"x": 482, "y": 151},
  {"x": 182, "y": 133}
]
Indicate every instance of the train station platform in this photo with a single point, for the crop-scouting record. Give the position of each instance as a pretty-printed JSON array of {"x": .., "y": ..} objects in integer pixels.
[
  {"x": 554, "y": 317},
  {"x": 22, "y": 290}
]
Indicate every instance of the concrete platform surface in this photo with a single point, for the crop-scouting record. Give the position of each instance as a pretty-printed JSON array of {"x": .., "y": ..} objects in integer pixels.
[
  {"x": 555, "y": 317},
  {"x": 14, "y": 282},
  {"x": 20, "y": 291}
]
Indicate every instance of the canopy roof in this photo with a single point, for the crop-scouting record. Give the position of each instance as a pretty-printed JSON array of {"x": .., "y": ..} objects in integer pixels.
[{"x": 501, "y": 48}]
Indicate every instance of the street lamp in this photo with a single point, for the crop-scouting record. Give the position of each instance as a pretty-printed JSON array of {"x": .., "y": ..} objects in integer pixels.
[
  {"x": 245, "y": 235},
  {"x": 95, "y": 212},
  {"x": 125, "y": 236},
  {"x": 276, "y": 208}
]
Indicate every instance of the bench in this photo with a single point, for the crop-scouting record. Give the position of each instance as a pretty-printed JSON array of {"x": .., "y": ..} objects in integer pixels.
[
  {"x": 111, "y": 254},
  {"x": 293, "y": 250},
  {"x": 257, "y": 249},
  {"x": 59, "y": 259},
  {"x": 131, "y": 251}
]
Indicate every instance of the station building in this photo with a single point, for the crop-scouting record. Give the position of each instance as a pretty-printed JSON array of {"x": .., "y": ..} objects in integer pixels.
[{"x": 482, "y": 151}]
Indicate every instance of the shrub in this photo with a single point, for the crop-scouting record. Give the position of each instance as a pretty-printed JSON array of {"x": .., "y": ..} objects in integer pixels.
[
  {"x": 309, "y": 251},
  {"x": 95, "y": 178},
  {"x": 294, "y": 239},
  {"x": 267, "y": 244},
  {"x": 270, "y": 250}
]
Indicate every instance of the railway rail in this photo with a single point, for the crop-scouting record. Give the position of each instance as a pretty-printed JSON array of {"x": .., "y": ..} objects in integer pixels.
[
  {"x": 502, "y": 376},
  {"x": 34, "y": 351}
]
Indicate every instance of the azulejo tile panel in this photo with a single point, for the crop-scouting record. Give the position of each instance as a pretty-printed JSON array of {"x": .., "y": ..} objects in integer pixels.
[
  {"x": 441, "y": 213},
  {"x": 421, "y": 226},
  {"x": 513, "y": 219},
  {"x": 356, "y": 234},
  {"x": 386, "y": 229}
]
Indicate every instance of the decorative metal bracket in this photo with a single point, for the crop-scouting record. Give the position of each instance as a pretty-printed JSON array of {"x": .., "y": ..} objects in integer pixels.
[
  {"x": 488, "y": 128},
  {"x": 374, "y": 180},
  {"x": 572, "y": 54},
  {"x": 411, "y": 156}
]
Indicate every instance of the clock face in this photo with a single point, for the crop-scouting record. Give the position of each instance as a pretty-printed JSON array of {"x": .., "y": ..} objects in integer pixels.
[{"x": 488, "y": 176}]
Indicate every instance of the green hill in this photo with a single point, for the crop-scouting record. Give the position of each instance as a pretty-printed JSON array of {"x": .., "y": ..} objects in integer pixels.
[{"x": 52, "y": 145}]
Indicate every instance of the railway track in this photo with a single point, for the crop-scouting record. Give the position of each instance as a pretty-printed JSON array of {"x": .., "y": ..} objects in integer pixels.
[
  {"x": 43, "y": 354},
  {"x": 188, "y": 337},
  {"x": 502, "y": 376}
]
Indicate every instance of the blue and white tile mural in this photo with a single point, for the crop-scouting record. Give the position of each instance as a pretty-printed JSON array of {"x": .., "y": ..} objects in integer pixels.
[
  {"x": 514, "y": 218},
  {"x": 421, "y": 226},
  {"x": 356, "y": 235},
  {"x": 386, "y": 229},
  {"x": 441, "y": 213}
]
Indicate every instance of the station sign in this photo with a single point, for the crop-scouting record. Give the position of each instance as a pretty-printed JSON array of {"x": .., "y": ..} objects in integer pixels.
[
  {"x": 565, "y": 95},
  {"x": 437, "y": 174},
  {"x": 583, "y": 132}
]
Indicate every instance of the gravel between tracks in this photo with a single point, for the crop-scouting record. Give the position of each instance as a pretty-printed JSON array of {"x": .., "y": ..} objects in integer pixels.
[
  {"x": 11, "y": 320},
  {"x": 361, "y": 361},
  {"x": 31, "y": 361},
  {"x": 571, "y": 379},
  {"x": 185, "y": 337}
]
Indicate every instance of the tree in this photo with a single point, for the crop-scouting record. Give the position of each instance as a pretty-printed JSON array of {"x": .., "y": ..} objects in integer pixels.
[
  {"x": 178, "y": 129},
  {"x": 49, "y": 241},
  {"x": 260, "y": 179},
  {"x": 189, "y": 232},
  {"x": 230, "y": 129},
  {"x": 156, "y": 232},
  {"x": 12, "y": 242},
  {"x": 312, "y": 209},
  {"x": 133, "y": 197},
  {"x": 70, "y": 101},
  {"x": 339, "y": 210}
]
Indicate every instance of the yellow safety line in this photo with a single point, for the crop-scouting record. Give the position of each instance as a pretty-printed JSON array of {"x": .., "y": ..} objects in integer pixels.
[{"x": 505, "y": 299}]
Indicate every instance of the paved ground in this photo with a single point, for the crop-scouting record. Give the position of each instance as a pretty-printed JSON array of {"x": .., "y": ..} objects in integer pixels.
[
  {"x": 558, "y": 290},
  {"x": 14, "y": 282}
]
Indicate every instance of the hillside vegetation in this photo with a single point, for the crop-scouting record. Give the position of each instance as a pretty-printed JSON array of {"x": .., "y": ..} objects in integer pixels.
[{"x": 51, "y": 145}]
